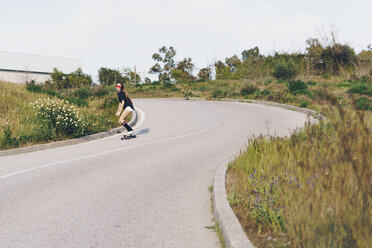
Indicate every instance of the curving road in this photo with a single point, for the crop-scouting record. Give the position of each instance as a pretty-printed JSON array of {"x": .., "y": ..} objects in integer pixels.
[{"x": 151, "y": 191}]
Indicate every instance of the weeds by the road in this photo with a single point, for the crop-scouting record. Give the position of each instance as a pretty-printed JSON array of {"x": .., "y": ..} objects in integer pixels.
[{"x": 310, "y": 190}]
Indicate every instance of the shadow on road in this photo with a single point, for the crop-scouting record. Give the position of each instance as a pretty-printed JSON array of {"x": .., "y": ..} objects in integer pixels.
[{"x": 143, "y": 131}]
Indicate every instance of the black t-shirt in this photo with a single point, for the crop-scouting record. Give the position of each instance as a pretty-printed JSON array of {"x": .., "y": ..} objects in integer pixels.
[{"x": 127, "y": 101}]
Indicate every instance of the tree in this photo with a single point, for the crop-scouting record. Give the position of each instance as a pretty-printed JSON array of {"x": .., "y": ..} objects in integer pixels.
[
  {"x": 285, "y": 70},
  {"x": 108, "y": 76},
  {"x": 59, "y": 79},
  {"x": 205, "y": 74},
  {"x": 183, "y": 71},
  {"x": 132, "y": 76},
  {"x": 75, "y": 79},
  {"x": 233, "y": 62},
  {"x": 79, "y": 79},
  {"x": 222, "y": 71},
  {"x": 338, "y": 56},
  {"x": 147, "y": 80},
  {"x": 251, "y": 54},
  {"x": 164, "y": 63}
]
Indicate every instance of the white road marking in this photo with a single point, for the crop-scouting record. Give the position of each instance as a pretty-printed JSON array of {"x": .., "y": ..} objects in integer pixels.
[{"x": 107, "y": 152}]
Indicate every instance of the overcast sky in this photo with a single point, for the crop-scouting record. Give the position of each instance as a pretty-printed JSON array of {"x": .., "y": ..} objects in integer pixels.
[{"x": 125, "y": 33}]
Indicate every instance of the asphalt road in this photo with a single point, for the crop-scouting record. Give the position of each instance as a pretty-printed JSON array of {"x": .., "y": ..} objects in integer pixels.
[{"x": 151, "y": 191}]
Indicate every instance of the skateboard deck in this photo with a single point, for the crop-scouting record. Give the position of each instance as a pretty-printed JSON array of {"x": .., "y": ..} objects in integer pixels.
[{"x": 128, "y": 137}]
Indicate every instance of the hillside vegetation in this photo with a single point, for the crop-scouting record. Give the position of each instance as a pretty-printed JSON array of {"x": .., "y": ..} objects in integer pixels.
[
  {"x": 312, "y": 189},
  {"x": 30, "y": 114}
]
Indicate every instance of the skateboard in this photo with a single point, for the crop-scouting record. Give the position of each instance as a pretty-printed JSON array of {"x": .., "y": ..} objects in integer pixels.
[{"x": 128, "y": 136}]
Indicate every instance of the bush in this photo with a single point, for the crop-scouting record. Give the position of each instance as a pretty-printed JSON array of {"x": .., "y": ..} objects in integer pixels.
[
  {"x": 363, "y": 103},
  {"x": 75, "y": 79},
  {"x": 304, "y": 104},
  {"x": 188, "y": 94},
  {"x": 167, "y": 85},
  {"x": 8, "y": 140},
  {"x": 204, "y": 88},
  {"x": 358, "y": 89},
  {"x": 83, "y": 93},
  {"x": 33, "y": 87},
  {"x": 295, "y": 86},
  {"x": 248, "y": 90},
  {"x": 266, "y": 92},
  {"x": 59, "y": 117},
  {"x": 174, "y": 89},
  {"x": 338, "y": 56},
  {"x": 101, "y": 91},
  {"x": 285, "y": 70},
  {"x": 51, "y": 92},
  {"x": 298, "y": 87},
  {"x": 218, "y": 93}
]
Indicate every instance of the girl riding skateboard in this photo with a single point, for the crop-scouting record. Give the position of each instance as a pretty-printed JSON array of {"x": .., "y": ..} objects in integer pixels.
[{"x": 126, "y": 104}]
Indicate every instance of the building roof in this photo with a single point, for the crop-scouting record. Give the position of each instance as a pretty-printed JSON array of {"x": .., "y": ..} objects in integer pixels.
[{"x": 37, "y": 63}]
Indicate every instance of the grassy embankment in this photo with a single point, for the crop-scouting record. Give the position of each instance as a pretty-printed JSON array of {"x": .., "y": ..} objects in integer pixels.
[
  {"x": 312, "y": 189},
  {"x": 20, "y": 125}
]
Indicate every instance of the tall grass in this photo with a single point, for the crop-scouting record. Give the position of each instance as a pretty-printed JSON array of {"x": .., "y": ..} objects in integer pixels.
[{"x": 313, "y": 189}]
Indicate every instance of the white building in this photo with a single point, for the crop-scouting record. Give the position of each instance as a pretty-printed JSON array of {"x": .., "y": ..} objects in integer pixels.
[{"x": 20, "y": 68}]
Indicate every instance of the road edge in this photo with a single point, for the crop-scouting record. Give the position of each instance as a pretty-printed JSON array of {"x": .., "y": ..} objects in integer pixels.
[
  {"x": 231, "y": 228},
  {"x": 135, "y": 117}
]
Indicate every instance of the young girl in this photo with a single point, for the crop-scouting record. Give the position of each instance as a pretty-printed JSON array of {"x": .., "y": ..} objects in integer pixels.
[{"x": 124, "y": 103}]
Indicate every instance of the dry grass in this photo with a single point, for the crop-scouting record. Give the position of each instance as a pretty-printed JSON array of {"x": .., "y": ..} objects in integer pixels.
[{"x": 310, "y": 190}]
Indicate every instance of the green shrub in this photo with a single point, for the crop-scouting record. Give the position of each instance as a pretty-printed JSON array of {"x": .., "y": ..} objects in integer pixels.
[
  {"x": 83, "y": 93},
  {"x": 360, "y": 89},
  {"x": 204, "y": 88},
  {"x": 304, "y": 104},
  {"x": 285, "y": 70},
  {"x": 8, "y": 140},
  {"x": 248, "y": 90},
  {"x": 219, "y": 93},
  {"x": 188, "y": 94},
  {"x": 266, "y": 92},
  {"x": 167, "y": 85},
  {"x": 298, "y": 87},
  {"x": 60, "y": 117},
  {"x": 175, "y": 89},
  {"x": 295, "y": 86},
  {"x": 363, "y": 103},
  {"x": 102, "y": 91},
  {"x": 33, "y": 87},
  {"x": 52, "y": 92}
]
